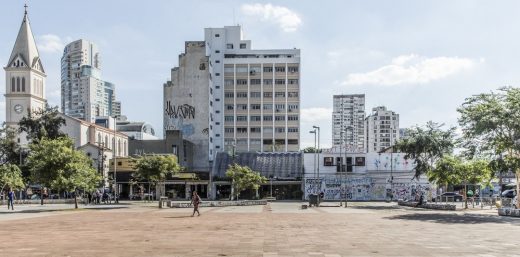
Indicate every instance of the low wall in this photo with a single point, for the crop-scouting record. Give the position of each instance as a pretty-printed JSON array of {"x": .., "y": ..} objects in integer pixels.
[
  {"x": 445, "y": 207},
  {"x": 509, "y": 212},
  {"x": 173, "y": 204},
  {"x": 45, "y": 201}
]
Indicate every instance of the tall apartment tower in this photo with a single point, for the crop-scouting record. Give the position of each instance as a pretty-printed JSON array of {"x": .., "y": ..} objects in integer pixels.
[
  {"x": 84, "y": 95},
  {"x": 382, "y": 129},
  {"x": 255, "y": 94},
  {"x": 348, "y": 122},
  {"x": 24, "y": 78}
]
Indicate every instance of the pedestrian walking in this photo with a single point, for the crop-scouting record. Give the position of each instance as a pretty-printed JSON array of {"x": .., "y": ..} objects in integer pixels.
[
  {"x": 195, "y": 200},
  {"x": 10, "y": 197}
]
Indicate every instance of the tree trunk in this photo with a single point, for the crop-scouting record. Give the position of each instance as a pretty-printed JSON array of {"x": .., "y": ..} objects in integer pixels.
[
  {"x": 149, "y": 193},
  {"x": 465, "y": 195},
  {"x": 41, "y": 195},
  {"x": 517, "y": 174},
  {"x": 75, "y": 199}
]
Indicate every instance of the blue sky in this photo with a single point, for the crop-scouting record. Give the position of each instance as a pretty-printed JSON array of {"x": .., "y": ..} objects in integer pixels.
[{"x": 418, "y": 58}]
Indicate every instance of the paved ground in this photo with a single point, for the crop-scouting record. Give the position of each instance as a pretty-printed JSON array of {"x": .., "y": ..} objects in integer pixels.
[{"x": 279, "y": 229}]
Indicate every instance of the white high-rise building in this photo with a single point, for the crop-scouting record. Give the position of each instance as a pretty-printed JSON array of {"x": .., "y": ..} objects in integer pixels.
[
  {"x": 382, "y": 129},
  {"x": 348, "y": 122},
  {"x": 255, "y": 94},
  {"x": 25, "y": 78},
  {"x": 84, "y": 95}
]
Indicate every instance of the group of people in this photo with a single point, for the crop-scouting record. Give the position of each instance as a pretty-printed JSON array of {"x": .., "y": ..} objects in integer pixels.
[{"x": 97, "y": 197}]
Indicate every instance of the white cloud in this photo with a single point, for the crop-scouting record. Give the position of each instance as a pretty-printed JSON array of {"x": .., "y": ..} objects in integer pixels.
[
  {"x": 287, "y": 19},
  {"x": 50, "y": 43},
  {"x": 318, "y": 114},
  {"x": 412, "y": 69}
]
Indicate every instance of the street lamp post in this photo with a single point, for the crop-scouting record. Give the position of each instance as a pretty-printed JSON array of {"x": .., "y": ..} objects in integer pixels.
[
  {"x": 318, "y": 150},
  {"x": 114, "y": 152},
  {"x": 314, "y": 162}
]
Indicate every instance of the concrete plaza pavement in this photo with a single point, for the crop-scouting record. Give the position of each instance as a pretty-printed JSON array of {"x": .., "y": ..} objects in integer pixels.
[{"x": 277, "y": 229}]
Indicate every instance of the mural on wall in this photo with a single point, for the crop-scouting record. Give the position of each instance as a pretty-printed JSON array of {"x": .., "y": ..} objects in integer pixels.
[
  {"x": 364, "y": 189},
  {"x": 388, "y": 161}
]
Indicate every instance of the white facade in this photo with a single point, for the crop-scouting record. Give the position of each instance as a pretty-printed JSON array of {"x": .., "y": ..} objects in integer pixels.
[
  {"x": 256, "y": 94},
  {"x": 374, "y": 176},
  {"x": 84, "y": 95},
  {"x": 348, "y": 122},
  {"x": 382, "y": 129},
  {"x": 25, "y": 78}
]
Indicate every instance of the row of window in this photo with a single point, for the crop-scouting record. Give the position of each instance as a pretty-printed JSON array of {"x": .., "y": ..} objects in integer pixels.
[
  {"x": 229, "y": 82},
  {"x": 255, "y": 70},
  {"x": 278, "y": 107},
  {"x": 258, "y": 141},
  {"x": 258, "y": 94},
  {"x": 259, "y": 129},
  {"x": 259, "y": 118}
]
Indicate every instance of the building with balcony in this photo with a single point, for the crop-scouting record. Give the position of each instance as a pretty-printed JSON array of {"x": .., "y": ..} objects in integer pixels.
[
  {"x": 382, "y": 129},
  {"x": 348, "y": 122}
]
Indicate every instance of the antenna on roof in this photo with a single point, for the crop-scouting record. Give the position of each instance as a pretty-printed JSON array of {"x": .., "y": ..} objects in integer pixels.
[{"x": 25, "y": 6}]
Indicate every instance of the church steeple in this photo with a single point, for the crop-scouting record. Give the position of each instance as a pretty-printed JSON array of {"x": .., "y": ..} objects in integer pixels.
[{"x": 25, "y": 53}]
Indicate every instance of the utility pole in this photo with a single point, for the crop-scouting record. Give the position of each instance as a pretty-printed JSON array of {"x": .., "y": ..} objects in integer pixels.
[{"x": 318, "y": 169}]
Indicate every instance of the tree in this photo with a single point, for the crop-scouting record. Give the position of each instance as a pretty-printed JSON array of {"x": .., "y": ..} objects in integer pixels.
[
  {"x": 454, "y": 170},
  {"x": 11, "y": 177},
  {"x": 243, "y": 178},
  {"x": 54, "y": 163},
  {"x": 491, "y": 127},
  {"x": 9, "y": 148},
  {"x": 42, "y": 123},
  {"x": 310, "y": 149},
  {"x": 155, "y": 168},
  {"x": 425, "y": 145}
]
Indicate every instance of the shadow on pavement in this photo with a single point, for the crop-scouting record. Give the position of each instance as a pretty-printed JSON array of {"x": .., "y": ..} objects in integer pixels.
[
  {"x": 375, "y": 207},
  {"x": 456, "y": 219},
  {"x": 180, "y": 217},
  {"x": 64, "y": 209}
]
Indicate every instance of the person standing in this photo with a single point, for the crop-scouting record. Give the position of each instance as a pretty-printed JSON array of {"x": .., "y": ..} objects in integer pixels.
[
  {"x": 195, "y": 200},
  {"x": 10, "y": 199}
]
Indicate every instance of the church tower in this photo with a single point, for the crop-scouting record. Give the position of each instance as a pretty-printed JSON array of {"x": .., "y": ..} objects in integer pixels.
[{"x": 25, "y": 77}]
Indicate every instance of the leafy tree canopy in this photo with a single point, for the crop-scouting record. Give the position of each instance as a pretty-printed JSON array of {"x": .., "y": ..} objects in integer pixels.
[
  {"x": 155, "y": 168},
  {"x": 244, "y": 178},
  {"x": 42, "y": 123},
  {"x": 11, "y": 177}
]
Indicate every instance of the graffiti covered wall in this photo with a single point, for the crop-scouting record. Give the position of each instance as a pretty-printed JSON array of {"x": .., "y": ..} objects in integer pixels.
[{"x": 363, "y": 189}]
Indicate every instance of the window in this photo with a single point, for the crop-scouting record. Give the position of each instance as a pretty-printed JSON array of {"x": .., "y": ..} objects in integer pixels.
[
  {"x": 268, "y": 130},
  {"x": 255, "y": 130},
  {"x": 279, "y": 130},
  {"x": 229, "y": 107},
  {"x": 18, "y": 84},
  {"x": 217, "y": 111},
  {"x": 279, "y": 69},
  {"x": 12, "y": 84},
  {"x": 217, "y": 123},
  {"x": 328, "y": 161},
  {"x": 217, "y": 61},
  {"x": 228, "y": 82},
  {"x": 268, "y": 106},
  {"x": 241, "y": 106},
  {"x": 292, "y": 94},
  {"x": 229, "y": 95},
  {"x": 279, "y": 81},
  {"x": 242, "y": 46},
  {"x": 217, "y": 74},
  {"x": 268, "y": 118},
  {"x": 268, "y": 69},
  {"x": 292, "y": 130},
  {"x": 255, "y": 94},
  {"x": 241, "y": 118},
  {"x": 229, "y": 130},
  {"x": 217, "y": 100},
  {"x": 292, "y": 141},
  {"x": 279, "y": 94},
  {"x": 228, "y": 118},
  {"x": 280, "y": 107},
  {"x": 229, "y": 69},
  {"x": 268, "y": 94},
  {"x": 293, "y": 106},
  {"x": 241, "y": 81},
  {"x": 255, "y": 141},
  {"x": 229, "y": 46},
  {"x": 255, "y": 106},
  {"x": 293, "y": 69},
  {"x": 241, "y": 94},
  {"x": 217, "y": 87},
  {"x": 256, "y": 81},
  {"x": 268, "y": 81},
  {"x": 242, "y": 142},
  {"x": 217, "y": 51},
  {"x": 292, "y": 117},
  {"x": 217, "y": 135},
  {"x": 255, "y": 118},
  {"x": 241, "y": 130},
  {"x": 293, "y": 82},
  {"x": 242, "y": 69},
  {"x": 279, "y": 117},
  {"x": 23, "y": 84},
  {"x": 217, "y": 35}
]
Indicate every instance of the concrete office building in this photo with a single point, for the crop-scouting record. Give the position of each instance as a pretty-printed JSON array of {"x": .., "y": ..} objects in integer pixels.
[
  {"x": 348, "y": 122},
  {"x": 24, "y": 79},
  {"x": 187, "y": 107},
  {"x": 256, "y": 94},
  {"x": 84, "y": 95},
  {"x": 382, "y": 129}
]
